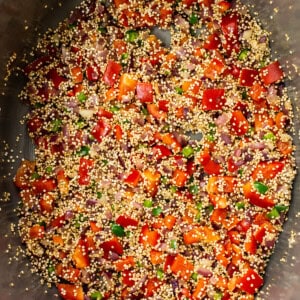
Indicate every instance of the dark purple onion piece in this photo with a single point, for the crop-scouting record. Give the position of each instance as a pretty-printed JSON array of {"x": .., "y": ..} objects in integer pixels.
[
  {"x": 269, "y": 243},
  {"x": 69, "y": 215},
  {"x": 262, "y": 39},
  {"x": 226, "y": 138},
  {"x": 113, "y": 256},
  {"x": 204, "y": 272},
  {"x": 180, "y": 138},
  {"x": 91, "y": 202}
]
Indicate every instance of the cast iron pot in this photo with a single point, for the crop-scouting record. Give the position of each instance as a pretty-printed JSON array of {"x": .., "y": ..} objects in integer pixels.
[{"x": 20, "y": 25}]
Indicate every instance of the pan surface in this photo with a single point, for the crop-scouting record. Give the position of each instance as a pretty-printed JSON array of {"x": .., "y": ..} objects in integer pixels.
[{"x": 20, "y": 23}]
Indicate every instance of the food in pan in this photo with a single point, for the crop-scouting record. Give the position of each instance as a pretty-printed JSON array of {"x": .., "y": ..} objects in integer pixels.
[{"x": 163, "y": 160}]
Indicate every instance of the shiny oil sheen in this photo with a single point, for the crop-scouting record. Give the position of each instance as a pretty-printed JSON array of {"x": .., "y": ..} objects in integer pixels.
[{"x": 20, "y": 25}]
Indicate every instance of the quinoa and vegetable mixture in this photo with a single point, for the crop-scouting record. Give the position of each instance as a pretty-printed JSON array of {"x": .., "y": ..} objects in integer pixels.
[{"x": 163, "y": 166}]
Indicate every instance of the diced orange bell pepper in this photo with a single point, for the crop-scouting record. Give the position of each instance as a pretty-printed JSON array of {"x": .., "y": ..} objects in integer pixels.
[
  {"x": 154, "y": 111},
  {"x": 267, "y": 170},
  {"x": 127, "y": 85},
  {"x": 37, "y": 231},
  {"x": 77, "y": 75},
  {"x": 149, "y": 237},
  {"x": 219, "y": 201},
  {"x": 118, "y": 132},
  {"x": 156, "y": 257},
  {"x": 182, "y": 267},
  {"x": 200, "y": 290},
  {"x": 221, "y": 184},
  {"x": 169, "y": 221},
  {"x": 80, "y": 255},
  {"x": 124, "y": 263},
  {"x": 200, "y": 234},
  {"x": 180, "y": 177},
  {"x": 214, "y": 69},
  {"x": 218, "y": 216},
  {"x": 67, "y": 273},
  {"x": 94, "y": 227},
  {"x": 70, "y": 291},
  {"x": 151, "y": 181}
]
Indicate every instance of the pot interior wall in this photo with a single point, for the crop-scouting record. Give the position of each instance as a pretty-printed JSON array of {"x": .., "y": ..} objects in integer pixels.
[{"x": 20, "y": 22}]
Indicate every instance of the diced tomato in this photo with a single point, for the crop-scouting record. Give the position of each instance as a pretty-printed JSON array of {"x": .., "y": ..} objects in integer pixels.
[
  {"x": 149, "y": 237},
  {"x": 127, "y": 84},
  {"x": 213, "y": 42},
  {"x": 267, "y": 170},
  {"x": 37, "y": 231},
  {"x": 182, "y": 267},
  {"x": 200, "y": 234},
  {"x": 153, "y": 110},
  {"x": 126, "y": 221},
  {"x": 85, "y": 166},
  {"x": 161, "y": 151},
  {"x": 250, "y": 282},
  {"x": 112, "y": 245},
  {"x": 111, "y": 72},
  {"x": 239, "y": 124},
  {"x": 255, "y": 198},
  {"x": 151, "y": 180},
  {"x": 248, "y": 77},
  {"x": 214, "y": 69},
  {"x": 42, "y": 185},
  {"x": 190, "y": 167},
  {"x": 271, "y": 73},
  {"x": 80, "y": 255},
  {"x": 133, "y": 178},
  {"x": 213, "y": 99},
  {"x": 125, "y": 263},
  {"x": 76, "y": 74},
  {"x": 144, "y": 92},
  {"x": 92, "y": 73},
  {"x": 180, "y": 177},
  {"x": 101, "y": 129},
  {"x": 70, "y": 291}
]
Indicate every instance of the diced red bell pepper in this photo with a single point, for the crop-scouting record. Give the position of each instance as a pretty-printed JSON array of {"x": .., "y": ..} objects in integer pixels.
[
  {"x": 104, "y": 113},
  {"x": 188, "y": 3},
  {"x": 126, "y": 221},
  {"x": 250, "y": 245},
  {"x": 213, "y": 99},
  {"x": 58, "y": 222},
  {"x": 239, "y": 124},
  {"x": 70, "y": 291},
  {"x": 250, "y": 282},
  {"x": 267, "y": 170},
  {"x": 271, "y": 73},
  {"x": 133, "y": 178},
  {"x": 233, "y": 70},
  {"x": 182, "y": 267},
  {"x": 151, "y": 180},
  {"x": 224, "y": 6},
  {"x": 161, "y": 151},
  {"x": 213, "y": 42},
  {"x": 163, "y": 105},
  {"x": 85, "y": 166},
  {"x": 127, "y": 278},
  {"x": 230, "y": 29},
  {"x": 37, "y": 231},
  {"x": 111, "y": 72},
  {"x": 35, "y": 125},
  {"x": 42, "y": 185},
  {"x": 255, "y": 198},
  {"x": 149, "y": 237},
  {"x": 180, "y": 177},
  {"x": 144, "y": 92},
  {"x": 118, "y": 3},
  {"x": 127, "y": 85},
  {"x": 190, "y": 167},
  {"x": 209, "y": 165},
  {"x": 232, "y": 167},
  {"x": 151, "y": 285},
  {"x": 37, "y": 64},
  {"x": 168, "y": 262},
  {"x": 80, "y": 255},
  {"x": 92, "y": 73},
  {"x": 55, "y": 78},
  {"x": 101, "y": 129},
  {"x": 112, "y": 245},
  {"x": 248, "y": 77}
]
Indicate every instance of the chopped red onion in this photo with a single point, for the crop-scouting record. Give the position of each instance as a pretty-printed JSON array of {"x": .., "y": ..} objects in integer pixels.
[{"x": 204, "y": 272}]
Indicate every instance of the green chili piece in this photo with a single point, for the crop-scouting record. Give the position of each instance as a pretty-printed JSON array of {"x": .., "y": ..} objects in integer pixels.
[
  {"x": 243, "y": 54},
  {"x": 118, "y": 230},
  {"x": 96, "y": 296},
  {"x": 187, "y": 151},
  {"x": 156, "y": 211},
  {"x": 148, "y": 203},
  {"x": 179, "y": 90},
  {"x": 131, "y": 35},
  {"x": 193, "y": 19},
  {"x": 281, "y": 208},
  {"x": 273, "y": 213},
  {"x": 81, "y": 97},
  {"x": 114, "y": 109},
  {"x": 269, "y": 136},
  {"x": 240, "y": 205},
  {"x": 260, "y": 187},
  {"x": 160, "y": 274}
]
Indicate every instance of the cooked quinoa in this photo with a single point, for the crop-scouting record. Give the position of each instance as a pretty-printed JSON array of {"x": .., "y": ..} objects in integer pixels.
[{"x": 163, "y": 160}]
